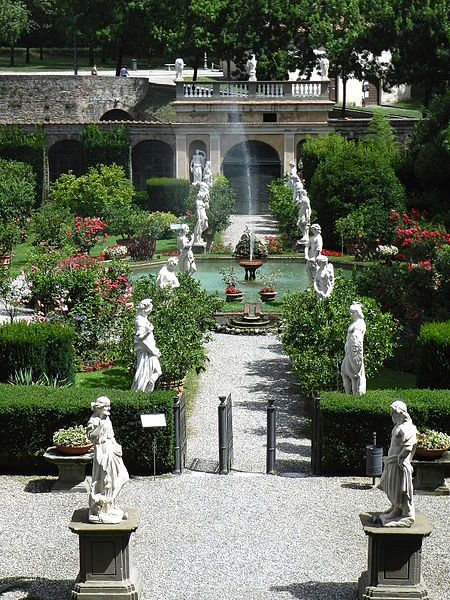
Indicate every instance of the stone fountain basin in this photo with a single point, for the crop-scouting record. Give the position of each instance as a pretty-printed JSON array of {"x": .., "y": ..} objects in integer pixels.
[{"x": 253, "y": 264}]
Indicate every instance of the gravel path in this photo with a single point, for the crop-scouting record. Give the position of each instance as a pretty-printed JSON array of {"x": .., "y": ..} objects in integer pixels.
[{"x": 262, "y": 225}]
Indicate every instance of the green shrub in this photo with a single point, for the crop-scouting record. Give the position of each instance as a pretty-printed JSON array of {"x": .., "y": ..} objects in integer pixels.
[
  {"x": 316, "y": 150},
  {"x": 50, "y": 224},
  {"x": 347, "y": 423},
  {"x": 29, "y": 416},
  {"x": 166, "y": 194},
  {"x": 17, "y": 190},
  {"x": 107, "y": 147},
  {"x": 314, "y": 335},
  {"x": 42, "y": 347},
  {"x": 283, "y": 208},
  {"x": 433, "y": 356}
]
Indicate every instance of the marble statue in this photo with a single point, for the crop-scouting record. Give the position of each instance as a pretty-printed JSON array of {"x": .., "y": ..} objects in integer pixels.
[
  {"x": 207, "y": 174},
  {"x": 297, "y": 186},
  {"x": 293, "y": 75},
  {"x": 197, "y": 165},
  {"x": 324, "y": 280},
  {"x": 186, "y": 260},
  {"x": 109, "y": 474},
  {"x": 148, "y": 368},
  {"x": 251, "y": 68},
  {"x": 179, "y": 66},
  {"x": 396, "y": 479},
  {"x": 324, "y": 65},
  {"x": 167, "y": 277},
  {"x": 304, "y": 215},
  {"x": 292, "y": 175},
  {"x": 352, "y": 367},
  {"x": 201, "y": 206},
  {"x": 312, "y": 250}
]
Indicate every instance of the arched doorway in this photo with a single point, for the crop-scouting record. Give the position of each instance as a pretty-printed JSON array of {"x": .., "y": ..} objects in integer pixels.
[
  {"x": 151, "y": 158},
  {"x": 65, "y": 156},
  {"x": 250, "y": 167},
  {"x": 116, "y": 114}
]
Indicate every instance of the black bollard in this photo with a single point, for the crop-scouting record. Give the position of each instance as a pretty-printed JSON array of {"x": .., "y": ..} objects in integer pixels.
[
  {"x": 223, "y": 445},
  {"x": 271, "y": 437},
  {"x": 177, "y": 440}
]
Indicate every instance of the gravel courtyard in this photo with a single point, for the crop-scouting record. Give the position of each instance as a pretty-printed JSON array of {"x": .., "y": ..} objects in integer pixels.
[{"x": 203, "y": 536}]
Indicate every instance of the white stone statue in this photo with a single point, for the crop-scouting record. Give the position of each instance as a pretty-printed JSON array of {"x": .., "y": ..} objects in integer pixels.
[
  {"x": 179, "y": 66},
  {"x": 324, "y": 280},
  {"x": 304, "y": 215},
  {"x": 324, "y": 65},
  {"x": 148, "y": 368},
  {"x": 201, "y": 206},
  {"x": 352, "y": 367},
  {"x": 293, "y": 75},
  {"x": 396, "y": 479},
  {"x": 109, "y": 474},
  {"x": 297, "y": 186},
  {"x": 251, "y": 68},
  {"x": 312, "y": 250},
  {"x": 292, "y": 175},
  {"x": 186, "y": 260},
  {"x": 167, "y": 277},
  {"x": 207, "y": 174},
  {"x": 197, "y": 165}
]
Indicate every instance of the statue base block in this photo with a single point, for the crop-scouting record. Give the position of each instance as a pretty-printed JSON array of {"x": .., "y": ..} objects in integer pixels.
[
  {"x": 105, "y": 571},
  {"x": 394, "y": 560},
  {"x": 199, "y": 248}
]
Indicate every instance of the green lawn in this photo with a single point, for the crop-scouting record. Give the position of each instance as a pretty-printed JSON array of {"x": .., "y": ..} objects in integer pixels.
[
  {"x": 400, "y": 109},
  {"x": 116, "y": 378},
  {"x": 388, "y": 379}
]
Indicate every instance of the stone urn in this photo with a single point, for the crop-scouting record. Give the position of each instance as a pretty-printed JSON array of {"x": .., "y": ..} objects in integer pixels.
[
  {"x": 267, "y": 295},
  {"x": 233, "y": 295}
]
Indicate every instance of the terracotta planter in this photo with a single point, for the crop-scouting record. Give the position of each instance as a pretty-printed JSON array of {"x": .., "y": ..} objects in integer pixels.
[
  {"x": 234, "y": 297},
  {"x": 267, "y": 296},
  {"x": 431, "y": 454},
  {"x": 74, "y": 450}
]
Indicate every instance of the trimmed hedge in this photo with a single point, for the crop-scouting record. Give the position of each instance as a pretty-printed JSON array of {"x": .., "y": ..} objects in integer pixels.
[
  {"x": 347, "y": 423},
  {"x": 42, "y": 347},
  {"x": 29, "y": 415},
  {"x": 166, "y": 194},
  {"x": 433, "y": 359}
]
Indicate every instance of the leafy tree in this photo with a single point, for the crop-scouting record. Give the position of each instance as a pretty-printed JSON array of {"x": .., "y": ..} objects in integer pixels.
[
  {"x": 13, "y": 20},
  {"x": 40, "y": 29},
  {"x": 100, "y": 191}
]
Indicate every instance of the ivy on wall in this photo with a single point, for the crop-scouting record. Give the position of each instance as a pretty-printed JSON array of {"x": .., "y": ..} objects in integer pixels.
[{"x": 105, "y": 147}]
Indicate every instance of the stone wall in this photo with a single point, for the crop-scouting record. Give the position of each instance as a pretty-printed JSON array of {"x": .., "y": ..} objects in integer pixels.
[{"x": 70, "y": 98}]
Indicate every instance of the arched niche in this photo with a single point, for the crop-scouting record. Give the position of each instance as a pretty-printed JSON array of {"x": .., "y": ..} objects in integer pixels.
[
  {"x": 196, "y": 145},
  {"x": 116, "y": 114},
  {"x": 65, "y": 156},
  {"x": 151, "y": 158},
  {"x": 250, "y": 166}
]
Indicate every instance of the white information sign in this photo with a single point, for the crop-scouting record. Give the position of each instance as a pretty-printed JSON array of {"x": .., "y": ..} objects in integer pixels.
[{"x": 156, "y": 420}]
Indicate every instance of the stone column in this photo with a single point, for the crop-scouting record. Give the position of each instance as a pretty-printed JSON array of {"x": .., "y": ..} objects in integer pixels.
[
  {"x": 182, "y": 160},
  {"x": 289, "y": 151},
  {"x": 214, "y": 153},
  {"x": 394, "y": 569}
]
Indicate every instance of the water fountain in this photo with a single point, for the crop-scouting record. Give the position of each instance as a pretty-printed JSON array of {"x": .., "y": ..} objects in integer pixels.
[{"x": 252, "y": 253}]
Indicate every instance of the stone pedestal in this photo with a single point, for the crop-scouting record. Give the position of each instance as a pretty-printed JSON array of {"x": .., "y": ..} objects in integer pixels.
[
  {"x": 430, "y": 476},
  {"x": 199, "y": 248},
  {"x": 105, "y": 571},
  {"x": 72, "y": 470},
  {"x": 394, "y": 561}
]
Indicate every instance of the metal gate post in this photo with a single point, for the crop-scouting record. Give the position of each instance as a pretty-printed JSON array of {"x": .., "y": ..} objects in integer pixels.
[
  {"x": 271, "y": 437},
  {"x": 177, "y": 436},
  {"x": 223, "y": 441}
]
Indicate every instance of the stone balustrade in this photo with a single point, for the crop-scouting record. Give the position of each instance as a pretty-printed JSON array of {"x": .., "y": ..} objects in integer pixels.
[{"x": 254, "y": 90}]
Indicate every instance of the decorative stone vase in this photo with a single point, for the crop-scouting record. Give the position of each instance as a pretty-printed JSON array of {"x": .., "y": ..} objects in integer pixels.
[
  {"x": 234, "y": 297},
  {"x": 267, "y": 296},
  {"x": 430, "y": 453},
  {"x": 5, "y": 261},
  {"x": 74, "y": 450}
]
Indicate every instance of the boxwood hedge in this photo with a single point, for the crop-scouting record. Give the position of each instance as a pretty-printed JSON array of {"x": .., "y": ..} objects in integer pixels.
[
  {"x": 433, "y": 357},
  {"x": 29, "y": 415},
  {"x": 347, "y": 423}
]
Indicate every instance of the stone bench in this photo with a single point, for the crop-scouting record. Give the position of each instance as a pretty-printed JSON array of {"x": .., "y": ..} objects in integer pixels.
[{"x": 71, "y": 469}]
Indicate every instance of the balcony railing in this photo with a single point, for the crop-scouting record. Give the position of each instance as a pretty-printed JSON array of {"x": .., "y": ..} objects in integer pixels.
[{"x": 253, "y": 90}]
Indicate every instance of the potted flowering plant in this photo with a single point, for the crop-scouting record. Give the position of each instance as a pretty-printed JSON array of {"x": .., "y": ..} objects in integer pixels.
[
  {"x": 229, "y": 277},
  {"x": 431, "y": 443},
  {"x": 72, "y": 440},
  {"x": 268, "y": 292}
]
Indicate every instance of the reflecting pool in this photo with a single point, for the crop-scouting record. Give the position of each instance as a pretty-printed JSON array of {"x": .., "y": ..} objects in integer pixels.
[{"x": 290, "y": 276}]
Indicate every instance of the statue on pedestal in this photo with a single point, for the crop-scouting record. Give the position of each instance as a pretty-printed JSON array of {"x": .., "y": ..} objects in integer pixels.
[
  {"x": 179, "y": 66},
  {"x": 352, "y": 367},
  {"x": 201, "y": 205},
  {"x": 324, "y": 65},
  {"x": 207, "y": 174},
  {"x": 312, "y": 250},
  {"x": 396, "y": 479},
  {"x": 292, "y": 175},
  {"x": 148, "y": 368},
  {"x": 197, "y": 165},
  {"x": 186, "y": 260},
  {"x": 167, "y": 277},
  {"x": 304, "y": 215},
  {"x": 109, "y": 474},
  {"x": 251, "y": 68},
  {"x": 324, "y": 280}
]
